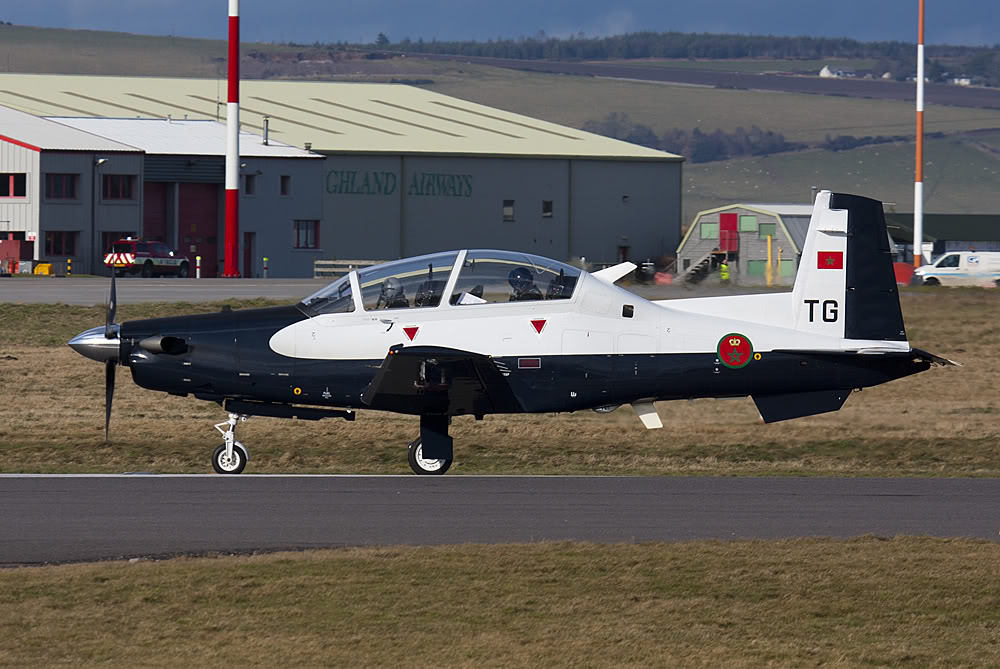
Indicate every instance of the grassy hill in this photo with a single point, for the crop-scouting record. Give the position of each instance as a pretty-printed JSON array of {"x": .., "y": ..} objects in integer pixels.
[
  {"x": 958, "y": 177},
  {"x": 961, "y": 170}
]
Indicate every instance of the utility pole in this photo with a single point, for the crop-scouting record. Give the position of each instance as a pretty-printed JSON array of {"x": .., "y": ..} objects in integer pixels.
[{"x": 918, "y": 181}]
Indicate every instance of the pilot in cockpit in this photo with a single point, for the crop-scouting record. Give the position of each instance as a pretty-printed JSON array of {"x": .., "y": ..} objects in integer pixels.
[
  {"x": 392, "y": 296},
  {"x": 522, "y": 285}
]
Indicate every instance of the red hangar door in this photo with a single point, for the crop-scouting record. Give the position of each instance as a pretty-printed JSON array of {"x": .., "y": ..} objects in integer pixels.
[{"x": 198, "y": 225}]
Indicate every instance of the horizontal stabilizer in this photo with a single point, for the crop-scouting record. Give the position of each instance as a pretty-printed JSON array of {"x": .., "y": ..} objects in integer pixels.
[
  {"x": 935, "y": 359},
  {"x": 773, "y": 408}
]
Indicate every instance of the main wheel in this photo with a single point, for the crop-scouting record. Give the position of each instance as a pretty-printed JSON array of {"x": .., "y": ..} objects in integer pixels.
[
  {"x": 223, "y": 465},
  {"x": 415, "y": 455},
  {"x": 147, "y": 269}
]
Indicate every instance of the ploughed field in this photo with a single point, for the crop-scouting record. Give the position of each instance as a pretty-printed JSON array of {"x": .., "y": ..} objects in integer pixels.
[{"x": 943, "y": 422}]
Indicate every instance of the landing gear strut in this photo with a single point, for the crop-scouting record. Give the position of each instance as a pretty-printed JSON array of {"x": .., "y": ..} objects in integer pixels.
[
  {"x": 432, "y": 452},
  {"x": 230, "y": 456}
]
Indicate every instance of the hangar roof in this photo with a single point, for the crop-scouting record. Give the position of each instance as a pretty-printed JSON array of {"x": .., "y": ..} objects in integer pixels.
[
  {"x": 38, "y": 133},
  {"x": 189, "y": 138},
  {"x": 334, "y": 117}
]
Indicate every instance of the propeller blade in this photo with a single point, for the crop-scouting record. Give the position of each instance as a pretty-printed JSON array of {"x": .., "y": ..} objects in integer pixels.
[
  {"x": 112, "y": 308},
  {"x": 109, "y": 392}
]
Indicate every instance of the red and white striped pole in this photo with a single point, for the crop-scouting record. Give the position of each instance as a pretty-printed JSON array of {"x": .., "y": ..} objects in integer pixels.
[
  {"x": 918, "y": 181},
  {"x": 232, "y": 237}
]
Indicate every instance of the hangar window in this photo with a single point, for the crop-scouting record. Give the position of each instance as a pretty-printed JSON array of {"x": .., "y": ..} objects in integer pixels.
[
  {"x": 709, "y": 230},
  {"x": 286, "y": 185},
  {"x": 508, "y": 210},
  {"x": 60, "y": 243},
  {"x": 505, "y": 276},
  {"x": 765, "y": 230},
  {"x": 748, "y": 223},
  {"x": 249, "y": 184},
  {"x": 13, "y": 185},
  {"x": 306, "y": 235},
  {"x": 546, "y": 208},
  {"x": 118, "y": 187},
  {"x": 61, "y": 186}
]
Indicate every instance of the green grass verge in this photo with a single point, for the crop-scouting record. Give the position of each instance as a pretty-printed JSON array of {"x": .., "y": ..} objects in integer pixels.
[
  {"x": 818, "y": 602},
  {"x": 55, "y": 324},
  {"x": 938, "y": 423}
]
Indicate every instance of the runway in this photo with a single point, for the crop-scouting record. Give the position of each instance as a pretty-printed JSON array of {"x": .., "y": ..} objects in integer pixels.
[
  {"x": 88, "y": 291},
  {"x": 93, "y": 517}
]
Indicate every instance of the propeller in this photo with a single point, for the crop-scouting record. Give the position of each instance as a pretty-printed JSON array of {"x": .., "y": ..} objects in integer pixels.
[
  {"x": 109, "y": 391},
  {"x": 109, "y": 365}
]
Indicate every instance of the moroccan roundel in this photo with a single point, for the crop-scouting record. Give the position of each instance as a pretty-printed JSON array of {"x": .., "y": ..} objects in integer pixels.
[{"x": 735, "y": 350}]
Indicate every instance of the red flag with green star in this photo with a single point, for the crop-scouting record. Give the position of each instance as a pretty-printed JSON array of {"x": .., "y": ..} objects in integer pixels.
[{"x": 830, "y": 260}]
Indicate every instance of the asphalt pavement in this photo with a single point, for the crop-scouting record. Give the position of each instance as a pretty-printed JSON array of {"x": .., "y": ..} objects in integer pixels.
[
  {"x": 94, "y": 290},
  {"x": 91, "y": 517}
]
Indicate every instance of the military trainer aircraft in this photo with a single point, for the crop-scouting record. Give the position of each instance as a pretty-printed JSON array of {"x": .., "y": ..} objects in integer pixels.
[{"x": 478, "y": 332}]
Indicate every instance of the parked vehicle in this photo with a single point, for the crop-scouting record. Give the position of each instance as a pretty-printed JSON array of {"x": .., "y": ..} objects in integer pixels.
[
  {"x": 962, "y": 268},
  {"x": 147, "y": 259}
]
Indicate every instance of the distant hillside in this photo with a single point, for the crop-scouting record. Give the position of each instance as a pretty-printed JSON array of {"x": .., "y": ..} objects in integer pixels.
[
  {"x": 896, "y": 58},
  {"x": 963, "y": 168}
]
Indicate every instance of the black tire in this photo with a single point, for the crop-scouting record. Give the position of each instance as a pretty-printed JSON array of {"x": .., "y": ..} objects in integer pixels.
[
  {"x": 119, "y": 272},
  {"x": 183, "y": 271},
  {"x": 147, "y": 269},
  {"x": 421, "y": 466},
  {"x": 931, "y": 282},
  {"x": 220, "y": 465}
]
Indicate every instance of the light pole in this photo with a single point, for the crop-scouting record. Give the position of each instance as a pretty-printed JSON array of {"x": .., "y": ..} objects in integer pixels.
[
  {"x": 93, "y": 214},
  {"x": 918, "y": 180}
]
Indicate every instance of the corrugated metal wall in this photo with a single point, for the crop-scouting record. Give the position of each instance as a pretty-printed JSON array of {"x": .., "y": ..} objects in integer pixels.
[{"x": 21, "y": 214}]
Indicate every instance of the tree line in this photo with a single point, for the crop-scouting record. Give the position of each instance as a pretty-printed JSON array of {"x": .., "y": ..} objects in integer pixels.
[
  {"x": 897, "y": 58},
  {"x": 674, "y": 45}
]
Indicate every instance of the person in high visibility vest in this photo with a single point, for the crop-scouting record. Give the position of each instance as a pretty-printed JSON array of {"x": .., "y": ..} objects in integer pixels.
[{"x": 724, "y": 271}]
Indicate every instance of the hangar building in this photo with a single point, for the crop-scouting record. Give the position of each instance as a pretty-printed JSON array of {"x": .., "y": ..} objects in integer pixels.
[
  {"x": 407, "y": 170},
  {"x": 77, "y": 184},
  {"x": 738, "y": 233}
]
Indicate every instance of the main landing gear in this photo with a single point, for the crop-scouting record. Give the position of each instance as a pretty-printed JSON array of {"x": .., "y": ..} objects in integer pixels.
[
  {"x": 431, "y": 453},
  {"x": 231, "y": 456}
]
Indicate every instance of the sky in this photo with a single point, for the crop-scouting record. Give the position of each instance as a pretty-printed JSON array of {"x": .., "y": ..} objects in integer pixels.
[{"x": 969, "y": 22}]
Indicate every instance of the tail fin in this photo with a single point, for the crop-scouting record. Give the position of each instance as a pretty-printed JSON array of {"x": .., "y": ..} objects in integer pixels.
[{"x": 845, "y": 286}]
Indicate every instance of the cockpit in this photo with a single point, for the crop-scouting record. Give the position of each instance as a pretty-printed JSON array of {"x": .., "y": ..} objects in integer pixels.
[{"x": 468, "y": 278}]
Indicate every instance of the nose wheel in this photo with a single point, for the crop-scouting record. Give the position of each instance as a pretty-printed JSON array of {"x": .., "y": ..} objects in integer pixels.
[{"x": 230, "y": 457}]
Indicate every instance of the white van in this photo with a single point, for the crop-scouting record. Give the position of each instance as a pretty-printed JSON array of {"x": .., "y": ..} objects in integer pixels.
[{"x": 962, "y": 268}]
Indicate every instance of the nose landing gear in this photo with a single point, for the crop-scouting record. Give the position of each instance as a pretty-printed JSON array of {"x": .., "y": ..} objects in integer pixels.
[{"x": 230, "y": 456}]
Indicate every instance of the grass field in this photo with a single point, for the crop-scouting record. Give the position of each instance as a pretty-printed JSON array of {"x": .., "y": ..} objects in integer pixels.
[
  {"x": 817, "y": 602},
  {"x": 749, "y": 65},
  {"x": 574, "y": 100},
  {"x": 958, "y": 177},
  {"x": 939, "y": 423}
]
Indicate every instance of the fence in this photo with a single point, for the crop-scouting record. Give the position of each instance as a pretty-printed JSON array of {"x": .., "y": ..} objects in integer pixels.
[{"x": 334, "y": 269}]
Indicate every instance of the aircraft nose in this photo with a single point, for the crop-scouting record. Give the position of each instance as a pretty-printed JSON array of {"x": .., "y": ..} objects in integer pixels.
[{"x": 95, "y": 345}]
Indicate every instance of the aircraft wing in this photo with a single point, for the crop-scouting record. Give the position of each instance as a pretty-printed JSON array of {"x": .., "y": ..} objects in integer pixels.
[{"x": 438, "y": 380}]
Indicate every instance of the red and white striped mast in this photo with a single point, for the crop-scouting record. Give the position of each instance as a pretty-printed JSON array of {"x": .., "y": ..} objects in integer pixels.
[
  {"x": 918, "y": 181},
  {"x": 232, "y": 236}
]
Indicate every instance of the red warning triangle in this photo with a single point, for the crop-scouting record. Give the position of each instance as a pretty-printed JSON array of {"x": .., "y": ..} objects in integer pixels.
[
  {"x": 410, "y": 332},
  {"x": 538, "y": 324}
]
